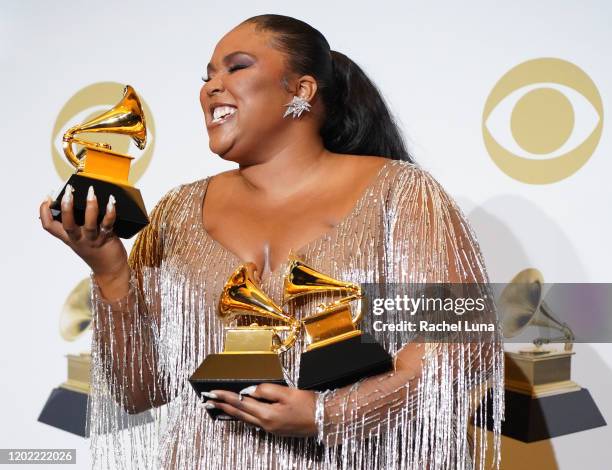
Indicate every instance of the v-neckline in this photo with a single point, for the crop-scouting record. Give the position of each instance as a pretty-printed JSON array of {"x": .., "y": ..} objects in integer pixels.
[{"x": 281, "y": 267}]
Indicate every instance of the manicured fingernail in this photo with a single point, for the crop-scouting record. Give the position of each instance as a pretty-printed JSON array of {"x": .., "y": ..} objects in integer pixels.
[
  {"x": 111, "y": 203},
  {"x": 50, "y": 196},
  {"x": 209, "y": 395},
  {"x": 67, "y": 198},
  {"x": 208, "y": 405},
  {"x": 248, "y": 390},
  {"x": 91, "y": 196}
]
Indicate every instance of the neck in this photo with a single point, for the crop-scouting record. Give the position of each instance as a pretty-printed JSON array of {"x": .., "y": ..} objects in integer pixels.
[{"x": 288, "y": 167}]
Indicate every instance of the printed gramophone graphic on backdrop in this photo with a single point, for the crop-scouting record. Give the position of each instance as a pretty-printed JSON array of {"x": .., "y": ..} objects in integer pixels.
[
  {"x": 337, "y": 351},
  {"x": 251, "y": 353},
  {"x": 66, "y": 407},
  {"x": 541, "y": 399},
  {"x": 107, "y": 171}
]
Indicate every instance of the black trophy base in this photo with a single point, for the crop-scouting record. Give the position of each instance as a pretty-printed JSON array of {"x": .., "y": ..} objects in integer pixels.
[
  {"x": 131, "y": 212},
  {"x": 67, "y": 410},
  {"x": 342, "y": 363},
  {"x": 530, "y": 419},
  {"x": 234, "y": 372}
]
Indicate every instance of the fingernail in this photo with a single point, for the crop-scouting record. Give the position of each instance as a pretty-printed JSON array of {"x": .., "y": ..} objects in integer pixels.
[
  {"x": 111, "y": 203},
  {"x": 50, "y": 196},
  {"x": 248, "y": 390},
  {"x": 91, "y": 196},
  {"x": 67, "y": 198},
  {"x": 209, "y": 395},
  {"x": 208, "y": 405}
]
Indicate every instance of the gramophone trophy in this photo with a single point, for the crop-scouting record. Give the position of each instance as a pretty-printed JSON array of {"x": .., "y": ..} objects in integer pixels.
[
  {"x": 337, "y": 352},
  {"x": 541, "y": 399},
  {"x": 107, "y": 171},
  {"x": 251, "y": 353}
]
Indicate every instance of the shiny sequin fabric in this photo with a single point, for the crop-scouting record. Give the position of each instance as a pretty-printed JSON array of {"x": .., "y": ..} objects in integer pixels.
[{"x": 404, "y": 229}]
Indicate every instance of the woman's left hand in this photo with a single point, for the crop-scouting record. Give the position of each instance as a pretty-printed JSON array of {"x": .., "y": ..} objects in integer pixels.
[{"x": 290, "y": 413}]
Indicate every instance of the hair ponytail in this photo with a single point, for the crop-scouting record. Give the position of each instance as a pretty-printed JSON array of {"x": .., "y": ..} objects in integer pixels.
[{"x": 357, "y": 120}]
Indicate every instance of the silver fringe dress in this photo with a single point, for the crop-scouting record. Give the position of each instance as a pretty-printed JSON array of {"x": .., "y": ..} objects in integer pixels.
[{"x": 404, "y": 229}]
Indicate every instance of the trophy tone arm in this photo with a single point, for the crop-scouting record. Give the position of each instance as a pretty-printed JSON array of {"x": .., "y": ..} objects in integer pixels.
[
  {"x": 67, "y": 142},
  {"x": 294, "y": 327}
]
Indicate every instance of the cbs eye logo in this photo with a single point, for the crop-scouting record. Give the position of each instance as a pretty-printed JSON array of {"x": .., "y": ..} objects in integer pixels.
[
  {"x": 547, "y": 116},
  {"x": 87, "y": 103}
]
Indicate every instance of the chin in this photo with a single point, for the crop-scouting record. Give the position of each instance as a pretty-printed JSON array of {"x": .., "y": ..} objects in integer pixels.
[
  {"x": 226, "y": 152},
  {"x": 229, "y": 150},
  {"x": 222, "y": 148},
  {"x": 228, "y": 157}
]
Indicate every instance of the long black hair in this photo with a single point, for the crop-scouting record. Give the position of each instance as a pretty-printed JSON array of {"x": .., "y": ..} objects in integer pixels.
[{"x": 357, "y": 120}]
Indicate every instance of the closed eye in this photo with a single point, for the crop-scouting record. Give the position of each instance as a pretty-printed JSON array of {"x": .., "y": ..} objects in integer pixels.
[{"x": 233, "y": 68}]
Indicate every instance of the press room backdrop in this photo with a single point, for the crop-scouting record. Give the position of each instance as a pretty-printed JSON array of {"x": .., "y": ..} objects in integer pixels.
[{"x": 488, "y": 94}]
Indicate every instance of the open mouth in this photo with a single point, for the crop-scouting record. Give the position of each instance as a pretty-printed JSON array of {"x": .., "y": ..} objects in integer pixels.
[{"x": 222, "y": 113}]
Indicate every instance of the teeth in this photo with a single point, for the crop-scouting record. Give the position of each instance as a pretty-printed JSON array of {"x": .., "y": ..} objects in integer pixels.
[{"x": 222, "y": 111}]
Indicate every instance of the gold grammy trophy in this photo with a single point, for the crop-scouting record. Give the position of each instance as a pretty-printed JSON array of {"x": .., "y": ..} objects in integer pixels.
[
  {"x": 541, "y": 399},
  {"x": 107, "y": 171},
  {"x": 337, "y": 351},
  {"x": 251, "y": 353}
]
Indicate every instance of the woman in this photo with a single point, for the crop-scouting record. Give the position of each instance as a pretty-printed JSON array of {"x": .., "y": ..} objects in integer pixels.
[{"x": 322, "y": 171}]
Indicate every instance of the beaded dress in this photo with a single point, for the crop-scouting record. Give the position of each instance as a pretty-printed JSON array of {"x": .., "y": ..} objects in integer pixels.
[{"x": 403, "y": 229}]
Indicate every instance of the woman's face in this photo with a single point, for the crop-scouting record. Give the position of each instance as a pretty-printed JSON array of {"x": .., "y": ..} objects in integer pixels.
[{"x": 244, "y": 85}]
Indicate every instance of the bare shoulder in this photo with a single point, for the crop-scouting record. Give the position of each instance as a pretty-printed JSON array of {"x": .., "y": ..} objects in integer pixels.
[
  {"x": 225, "y": 178},
  {"x": 178, "y": 193},
  {"x": 356, "y": 169},
  {"x": 226, "y": 175},
  {"x": 360, "y": 162},
  {"x": 367, "y": 166}
]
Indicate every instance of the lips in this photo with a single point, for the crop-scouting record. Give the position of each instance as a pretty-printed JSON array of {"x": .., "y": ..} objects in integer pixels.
[{"x": 221, "y": 112}]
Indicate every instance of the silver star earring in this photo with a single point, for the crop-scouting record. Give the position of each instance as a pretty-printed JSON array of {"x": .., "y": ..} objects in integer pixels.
[{"x": 297, "y": 106}]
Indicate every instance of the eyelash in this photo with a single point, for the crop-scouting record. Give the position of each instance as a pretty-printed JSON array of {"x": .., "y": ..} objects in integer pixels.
[{"x": 233, "y": 68}]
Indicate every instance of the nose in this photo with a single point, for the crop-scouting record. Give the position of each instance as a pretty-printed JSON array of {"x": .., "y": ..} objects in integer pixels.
[{"x": 214, "y": 85}]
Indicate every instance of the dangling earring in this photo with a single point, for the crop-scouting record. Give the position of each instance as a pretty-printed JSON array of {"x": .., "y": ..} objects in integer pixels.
[{"x": 296, "y": 107}]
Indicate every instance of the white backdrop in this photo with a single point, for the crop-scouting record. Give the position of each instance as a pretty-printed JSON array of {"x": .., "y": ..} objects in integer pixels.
[{"x": 435, "y": 64}]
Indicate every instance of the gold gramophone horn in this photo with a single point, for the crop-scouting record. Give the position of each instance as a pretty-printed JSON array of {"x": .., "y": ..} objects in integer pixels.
[
  {"x": 301, "y": 279},
  {"x": 126, "y": 117},
  {"x": 241, "y": 296},
  {"x": 522, "y": 305},
  {"x": 76, "y": 314}
]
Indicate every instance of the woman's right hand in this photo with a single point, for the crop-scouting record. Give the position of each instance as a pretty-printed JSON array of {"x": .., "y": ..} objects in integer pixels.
[{"x": 99, "y": 247}]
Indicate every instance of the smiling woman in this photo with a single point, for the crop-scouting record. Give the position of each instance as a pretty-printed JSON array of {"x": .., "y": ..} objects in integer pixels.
[
  {"x": 221, "y": 113},
  {"x": 323, "y": 172}
]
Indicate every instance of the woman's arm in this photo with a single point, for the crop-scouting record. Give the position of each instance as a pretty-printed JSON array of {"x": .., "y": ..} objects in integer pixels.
[
  {"x": 433, "y": 383},
  {"x": 126, "y": 316}
]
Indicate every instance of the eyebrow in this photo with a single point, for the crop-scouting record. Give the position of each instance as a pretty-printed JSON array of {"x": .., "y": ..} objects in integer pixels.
[{"x": 211, "y": 68}]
